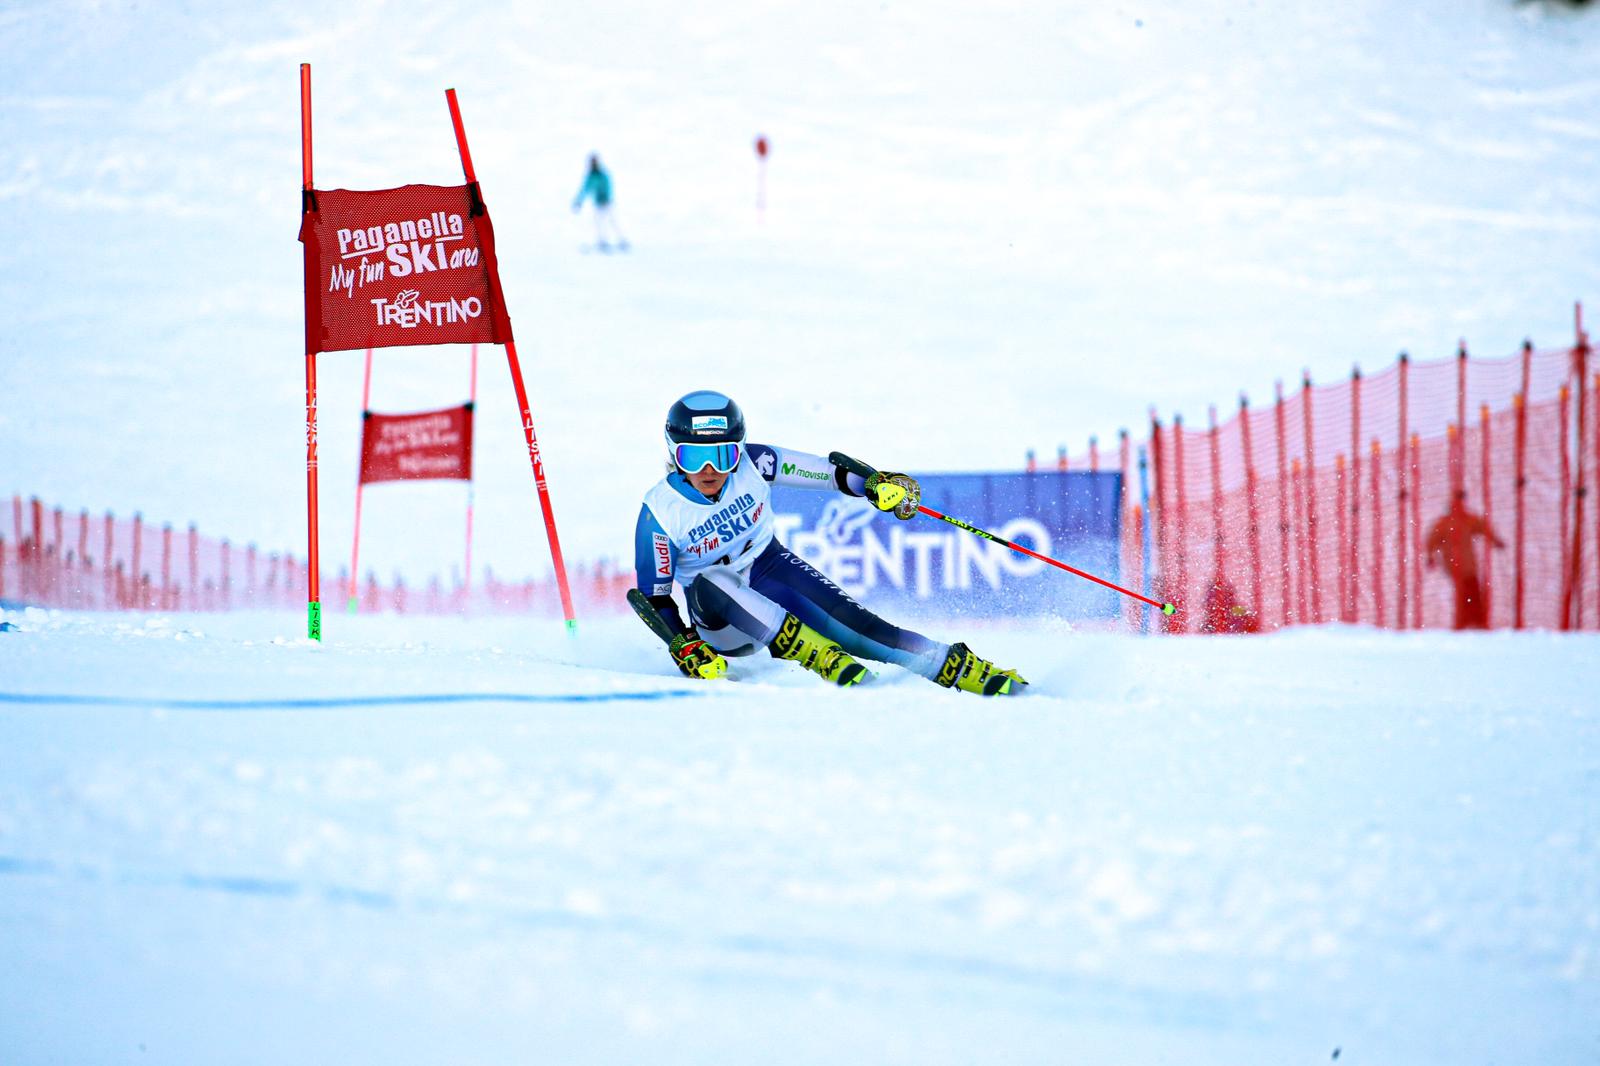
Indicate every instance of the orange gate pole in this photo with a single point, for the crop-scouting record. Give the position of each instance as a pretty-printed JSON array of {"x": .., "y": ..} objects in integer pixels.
[{"x": 313, "y": 566}]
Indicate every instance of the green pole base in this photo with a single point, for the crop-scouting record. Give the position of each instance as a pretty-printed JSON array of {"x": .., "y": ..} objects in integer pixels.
[
  {"x": 350, "y": 607},
  {"x": 572, "y": 627},
  {"x": 314, "y": 620},
  {"x": 1169, "y": 608}
]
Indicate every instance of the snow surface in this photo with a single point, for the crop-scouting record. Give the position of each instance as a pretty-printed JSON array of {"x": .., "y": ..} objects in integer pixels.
[
  {"x": 477, "y": 842},
  {"x": 989, "y": 227}
]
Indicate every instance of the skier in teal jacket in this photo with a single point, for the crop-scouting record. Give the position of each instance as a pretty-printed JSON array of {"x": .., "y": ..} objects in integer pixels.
[{"x": 597, "y": 184}]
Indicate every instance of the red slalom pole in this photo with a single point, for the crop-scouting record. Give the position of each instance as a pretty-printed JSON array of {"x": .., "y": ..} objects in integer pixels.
[
  {"x": 313, "y": 576},
  {"x": 855, "y": 466},
  {"x": 522, "y": 404}
]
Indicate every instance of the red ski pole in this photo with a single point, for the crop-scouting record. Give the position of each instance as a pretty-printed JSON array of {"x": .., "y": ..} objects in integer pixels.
[{"x": 855, "y": 466}]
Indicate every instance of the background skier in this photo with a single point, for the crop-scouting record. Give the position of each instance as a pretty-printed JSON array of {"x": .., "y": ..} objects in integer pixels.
[
  {"x": 597, "y": 184},
  {"x": 708, "y": 526}
]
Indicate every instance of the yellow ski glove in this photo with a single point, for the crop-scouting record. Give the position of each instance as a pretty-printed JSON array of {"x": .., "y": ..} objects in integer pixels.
[
  {"x": 696, "y": 658},
  {"x": 899, "y": 493}
]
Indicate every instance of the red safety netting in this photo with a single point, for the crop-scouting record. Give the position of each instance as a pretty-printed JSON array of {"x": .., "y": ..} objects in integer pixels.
[
  {"x": 1366, "y": 501},
  {"x": 52, "y": 558}
]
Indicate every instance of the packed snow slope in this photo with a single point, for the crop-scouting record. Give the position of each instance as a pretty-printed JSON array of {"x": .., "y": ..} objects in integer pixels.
[
  {"x": 988, "y": 227},
  {"x": 476, "y": 842}
]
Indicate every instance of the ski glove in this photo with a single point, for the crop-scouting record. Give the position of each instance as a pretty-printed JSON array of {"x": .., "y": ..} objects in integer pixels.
[
  {"x": 899, "y": 493},
  {"x": 696, "y": 658}
]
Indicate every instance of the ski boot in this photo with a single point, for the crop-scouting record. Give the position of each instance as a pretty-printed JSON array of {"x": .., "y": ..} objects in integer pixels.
[
  {"x": 798, "y": 641},
  {"x": 965, "y": 671}
]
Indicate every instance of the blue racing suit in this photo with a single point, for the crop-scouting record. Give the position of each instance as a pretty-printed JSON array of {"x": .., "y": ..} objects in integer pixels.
[{"x": 739, "y": 581}]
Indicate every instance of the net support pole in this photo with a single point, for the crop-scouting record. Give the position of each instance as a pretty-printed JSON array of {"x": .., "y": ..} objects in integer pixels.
[
  {"x": 1253, "y": 505},
  {"x": 1220, "y": 544},
  {"x": 1458, "y": 455},
  {"x": 1353, "y": 547},
  {"x": 472, "y": 413},
  {"x": 1566, "y": 501},
  {"x": 313, "y": 575},
  {"x": 135, "y": 568},
  {"x": 166, "y": 566},
  {"x": 1286, "y": 566},
  {"x": 1169, "y": 623},
  {"x": 1375, "y": 473},
  {"x": 1456, "y": 458},
  {"x": 352, "y": 596},
  {"x": 1580, "y": 379},
  {"x": 1341, "y": 491},
  {"x": 1401, "y": 486},
  {"x": 1147, "y": 543},
  {"x": 194, "y": 565},
  {"x": 1416, "y": 531},
  {"x": 522, "y": 405},
  {"x": 1161, "y": 541},
  {"x": 1519, "y": 484},
  {"x": 108, "y": 573},
  {"x": 1597, "y": 502},
  {"x": 1298, "y": 509},
  {"x": 1314, "y": 560},
  {"x": 60, "y": 568},
  {"x": 1488, "y": 514},
  {"x": 1520, "y": 454}
]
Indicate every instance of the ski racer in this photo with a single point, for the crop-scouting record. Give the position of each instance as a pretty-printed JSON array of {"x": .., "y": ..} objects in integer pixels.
[{"x": 708, "y": 526}]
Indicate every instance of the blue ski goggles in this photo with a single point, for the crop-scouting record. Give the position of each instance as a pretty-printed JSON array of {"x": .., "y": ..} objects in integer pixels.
[{"x": 692, "y": 458}]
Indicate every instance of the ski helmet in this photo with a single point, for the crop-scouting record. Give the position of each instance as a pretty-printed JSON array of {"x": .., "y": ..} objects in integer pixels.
[{"x": 703, "y": 418}]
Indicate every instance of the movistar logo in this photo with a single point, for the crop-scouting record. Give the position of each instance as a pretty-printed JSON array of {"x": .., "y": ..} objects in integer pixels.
[{"x": 814, "y": 475}]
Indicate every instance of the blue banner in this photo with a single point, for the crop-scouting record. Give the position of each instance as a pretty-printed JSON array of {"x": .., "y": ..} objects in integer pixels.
[{"x": 935, "y": 567}]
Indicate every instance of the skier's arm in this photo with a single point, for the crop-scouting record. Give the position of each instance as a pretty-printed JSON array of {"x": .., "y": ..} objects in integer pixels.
[
  {"x": 788, "y": 466},
  {"x": 653, "y": 568},
  {"x": 785, "y": 466},
  {"x": 899, "y": 493},
  {"x": 652, "y": 558}
]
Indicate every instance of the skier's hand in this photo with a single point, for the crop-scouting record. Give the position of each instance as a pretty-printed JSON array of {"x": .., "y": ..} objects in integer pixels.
[
  {"x": 899, "y": 493},
  {"x": 696, "y": 658}
]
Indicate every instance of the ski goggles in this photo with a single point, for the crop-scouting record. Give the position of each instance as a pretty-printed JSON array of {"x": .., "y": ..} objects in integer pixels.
[{"x": 692, "y": 458}]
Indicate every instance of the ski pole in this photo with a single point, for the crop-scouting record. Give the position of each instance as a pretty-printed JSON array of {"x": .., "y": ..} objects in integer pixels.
[
  {"x": 856, "y": 466},
  {"x": 647, "y": 614}
]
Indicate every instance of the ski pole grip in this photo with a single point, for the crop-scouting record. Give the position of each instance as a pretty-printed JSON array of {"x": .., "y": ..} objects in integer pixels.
[{"x": 855, "y": 466}]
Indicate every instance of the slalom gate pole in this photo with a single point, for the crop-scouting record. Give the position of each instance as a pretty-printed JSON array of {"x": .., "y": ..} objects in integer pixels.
[
  {"x": 522, "y": 402},
  {"x": 855, "y": 466},
  {"x": 313, "y": 578}
]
